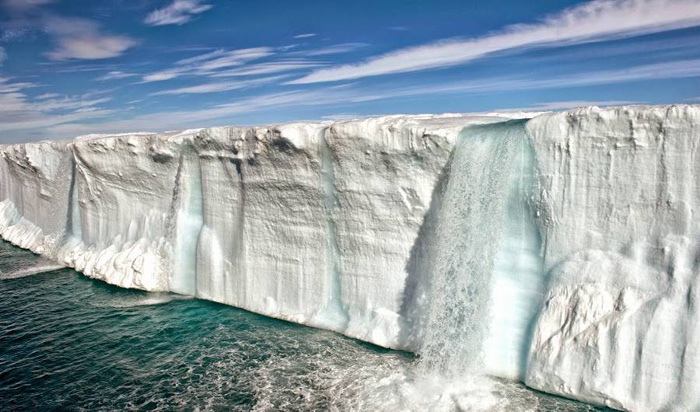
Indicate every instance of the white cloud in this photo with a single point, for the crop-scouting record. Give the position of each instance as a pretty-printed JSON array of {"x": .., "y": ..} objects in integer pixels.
[
  {"x": 7, "y": 87},
  {"x": 209, "y": 63},
  {"x": 229, "y": 59},
  {"x": 344, "y": 95},
  {"x": 668, "y": 70},
  {"x": 596, "y": 20},
  {"x": 217, "y": 87},
  {"x": 26, "y": 4},
  {"x": 20, "y": 113},
  {"x": 116, "y": 75},
  {"x": 81, "y": 39},
  {"x": 334, "y": 49},
  {"x": 269, "y": 67},
  {"x": 47, "y": 96},
  {"x": 161, "y": 76},
  {"x": 179, "y": 12},
  {"x": 204, "y": 117},
  {"x": 305, "y": 35}
]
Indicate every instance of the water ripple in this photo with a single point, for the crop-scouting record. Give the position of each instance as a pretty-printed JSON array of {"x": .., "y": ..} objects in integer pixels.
[{"x": 71, "y": 343}]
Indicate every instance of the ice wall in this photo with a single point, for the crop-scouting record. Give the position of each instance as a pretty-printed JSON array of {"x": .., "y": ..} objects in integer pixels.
[
  {"x": 314, "y": 223},
  {"x": 618, "y": 194},
  {"x": 560, "y": 251}
]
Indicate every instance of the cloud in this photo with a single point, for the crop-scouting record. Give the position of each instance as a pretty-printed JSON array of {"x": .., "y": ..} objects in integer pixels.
[
  {"x": 596, "y": 20},
  {"x": 668, "y": 70},
  {"x": 25, "y": 4},
  {"x": 334, "y": 49},
  {"x": 78, "y": 38},
  {"x": 161, "y": 76},
  {"x": 19, "y": 112},
  {"x": 47, "y": 96},
  {"x": 344, "y": 95},
  {"x": 10, "y": 87},
  {"x": 209, "y": 63},
  {"x": 216, "y": 87},
  {"x": 116, "y": 75},
  {"x": 305, "y": 35},
  {"x": 199, "y": 118},
  {"x": 269, "y": 67},
  {"x": 3, "y": 54},
  {"x": 179, "y": 12}
]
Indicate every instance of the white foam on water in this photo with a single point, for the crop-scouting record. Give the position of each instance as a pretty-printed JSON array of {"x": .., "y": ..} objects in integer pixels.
[
  {"x": 136, "y": 301},
  {"x": 30, "y": 271}
]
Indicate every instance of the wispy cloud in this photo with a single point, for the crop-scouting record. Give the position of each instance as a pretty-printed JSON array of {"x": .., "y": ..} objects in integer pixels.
[
  {"x": 596, "y": 20},
  {"x": 179, "y": 12},
  {"x": 47, "y": 96},
  {"x": 209, "y": 63},
  {"x": 81, "y": 39},
  {"x": 270, "y": 67},
  {"x": 204, "y": 117},
  {"x": 116, "y": 75},
  {"x": 669, "y": 70},
  {"x": 19, "y": 112},
  {"x": 305, "y": 35},
  {"x": 217, "y": 87},
  {"x": 25, "y": 4},
  {"x": 9, "y": 86},
  {"x": 348, "y": 95},
  {"x": 334, "y": 49}
]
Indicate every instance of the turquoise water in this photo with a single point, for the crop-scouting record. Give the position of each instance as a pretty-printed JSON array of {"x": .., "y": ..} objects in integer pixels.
[{"x": 71, "y": 343}]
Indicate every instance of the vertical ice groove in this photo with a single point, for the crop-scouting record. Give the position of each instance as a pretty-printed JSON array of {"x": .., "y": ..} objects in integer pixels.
[
  {"x": 74, "y": 228},
  {"x": 240, "y": 272},
  {"x": 188, "y": 221},
  {"x": 333, "y": 315},
  {"x": 469, "y": 232}
]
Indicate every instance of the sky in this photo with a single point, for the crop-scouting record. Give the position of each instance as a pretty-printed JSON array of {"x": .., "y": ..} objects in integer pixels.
[{"x": 73, "y": 67}]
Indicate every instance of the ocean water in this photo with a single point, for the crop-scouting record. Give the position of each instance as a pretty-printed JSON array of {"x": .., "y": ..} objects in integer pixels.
[{"x": 71, "y": 343}]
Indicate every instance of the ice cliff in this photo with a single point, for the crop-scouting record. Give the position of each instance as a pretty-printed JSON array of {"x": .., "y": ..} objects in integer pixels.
[{"x": 560, "y": 250}]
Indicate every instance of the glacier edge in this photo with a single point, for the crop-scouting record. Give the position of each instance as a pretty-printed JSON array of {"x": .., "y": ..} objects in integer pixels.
[{"x": 331, "y": 225}]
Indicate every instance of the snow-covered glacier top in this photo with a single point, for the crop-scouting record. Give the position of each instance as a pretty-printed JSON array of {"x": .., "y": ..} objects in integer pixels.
[{"x": 568, "y": 238}]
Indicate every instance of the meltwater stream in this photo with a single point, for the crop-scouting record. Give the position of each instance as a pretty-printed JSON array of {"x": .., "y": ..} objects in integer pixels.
[{"x": 469, "y": 231}]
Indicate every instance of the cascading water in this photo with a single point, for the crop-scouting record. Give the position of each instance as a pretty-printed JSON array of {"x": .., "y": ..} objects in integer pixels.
[{"x": 471, "y": 224}]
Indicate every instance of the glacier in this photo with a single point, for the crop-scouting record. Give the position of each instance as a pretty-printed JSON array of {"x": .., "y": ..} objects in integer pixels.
[{"x": 558, "y": 249}]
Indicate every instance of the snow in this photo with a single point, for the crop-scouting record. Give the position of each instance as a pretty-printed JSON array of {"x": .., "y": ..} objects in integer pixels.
[{"x": 588, "y": 277}]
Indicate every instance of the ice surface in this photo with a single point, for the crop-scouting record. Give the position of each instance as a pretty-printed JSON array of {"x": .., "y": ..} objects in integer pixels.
[
  {"x": 618, "y": 194},
  {"x": 576, "y": 250}
]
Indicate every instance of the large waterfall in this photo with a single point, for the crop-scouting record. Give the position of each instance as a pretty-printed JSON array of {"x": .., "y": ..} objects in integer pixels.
[{"x": 483, "y": 217}]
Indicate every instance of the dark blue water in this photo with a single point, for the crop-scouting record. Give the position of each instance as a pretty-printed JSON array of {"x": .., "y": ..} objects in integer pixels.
[{"x": 71, "y": 343}]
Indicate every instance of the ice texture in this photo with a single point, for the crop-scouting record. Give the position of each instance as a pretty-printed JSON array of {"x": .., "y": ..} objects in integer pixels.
[
  {"x": 560, "y": 250},
  {"x": 618, "y": 192}
]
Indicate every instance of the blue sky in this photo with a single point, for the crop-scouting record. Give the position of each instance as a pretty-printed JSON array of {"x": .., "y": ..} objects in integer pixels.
[{"x": 71, "y": 67}]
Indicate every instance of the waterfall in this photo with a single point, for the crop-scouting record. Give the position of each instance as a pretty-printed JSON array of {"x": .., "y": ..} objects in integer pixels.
[
  {"x": 188, "y": 221},
  {"x": 471, "y": 224}
]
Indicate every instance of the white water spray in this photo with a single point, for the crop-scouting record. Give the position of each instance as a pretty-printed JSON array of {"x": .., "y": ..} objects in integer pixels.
[{"x": 470, "y": 227}]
